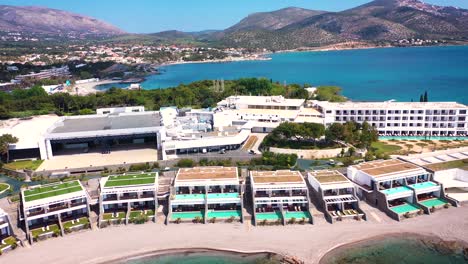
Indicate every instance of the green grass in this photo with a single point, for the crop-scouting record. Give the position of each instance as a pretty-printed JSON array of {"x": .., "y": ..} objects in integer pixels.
[
  {"x": 52, "y": 228},
  {"x": 132, "y": 179},
  {"x": 69, "y": 224},
  {"x": 52, "y": 190},
  {"x": 24, "y": 165},
  {"x": 4, "y": 187},
  {"x": 134, "y": 214},
  {"x": 108, "y": 216},
  {"x": 448, "y": 165},
  {"x": 9, "y": 241},
  {"x": 383, "y": 148}
]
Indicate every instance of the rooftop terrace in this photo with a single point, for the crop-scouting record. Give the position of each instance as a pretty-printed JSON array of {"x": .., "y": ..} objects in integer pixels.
[
  {"x": 329, "y": 176},
  {"x": 130, "y": 180},
  {"x": 391, "y": 105},
  {"x": 381, "y": 168},
  {"x": 207, "y": 173},
  {"x": 277, "y": 177},
  {"x": 51, "y": 190}
]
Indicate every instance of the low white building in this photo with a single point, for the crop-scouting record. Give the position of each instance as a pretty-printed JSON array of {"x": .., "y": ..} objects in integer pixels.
[
  {"x": 279, "y": 196},
  {"x": 128, "y": 197},
  {"x": 7, "y": 240}
]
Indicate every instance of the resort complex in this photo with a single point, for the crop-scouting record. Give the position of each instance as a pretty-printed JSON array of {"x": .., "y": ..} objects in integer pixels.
[
  {"x": 54, "y": 209},
  {"x": 336, "y": 195},
  {"x": 399, "y": 188},
  {"x": 206, "y": 194},
  {"x": 279, "y": 197},
  {"x": 128, "y": 198},
  {"x": 7, "y": 239}
]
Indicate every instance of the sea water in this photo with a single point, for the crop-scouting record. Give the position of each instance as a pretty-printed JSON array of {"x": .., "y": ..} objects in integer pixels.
[
  {"x": 377, "y": 74},
  {"x": 205, "y": 258}
]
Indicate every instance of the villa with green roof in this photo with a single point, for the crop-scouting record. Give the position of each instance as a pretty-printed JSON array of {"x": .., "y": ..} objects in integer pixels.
[
  {"x": 207, "y": 195},
  {"x": 47, "y": 210},
  {"x": 128, "y": 198},
  {"x": 336, "y": 194},
  {"x": 280, "y": 197},
  {"x": 397, "y": 187}
]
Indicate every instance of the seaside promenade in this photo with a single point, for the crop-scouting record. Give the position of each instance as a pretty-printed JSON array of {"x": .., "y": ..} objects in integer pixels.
[{"x": 307, "y": 242}]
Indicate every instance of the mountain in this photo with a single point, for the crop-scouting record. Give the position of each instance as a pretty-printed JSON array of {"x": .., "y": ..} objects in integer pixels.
[
  {"x": 377, "y": 21},
  {"x": 273, "y": 20},
  {"x": 41, "y": 20}
]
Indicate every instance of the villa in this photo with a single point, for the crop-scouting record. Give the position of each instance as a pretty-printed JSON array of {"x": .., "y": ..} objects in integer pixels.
[
  {"x": 336, "y": 194},
  {"x": 399, "y": 188},
  {"x": 206, "y": 194},
  {"x": 128, "y": 198},
  {"x": 279, "y": 197},
  {"x": 54, "y": 209},
  {"x": 7, "y": 239}
]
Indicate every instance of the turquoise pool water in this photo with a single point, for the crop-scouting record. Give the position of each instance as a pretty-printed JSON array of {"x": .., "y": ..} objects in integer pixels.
[
  {"x": 396, "y": 190},
  {"x": 402, "y": 209},
  {"x": 187, "y": 215},
  {"x": 297, "y": 215},
  {"x": 422, "y": 138},
  {"x": 222, "y": 195},
  {"x": 189, "y": 196},
  {"x": 433, "y": 202},
  {"x": 423, "y": 185},
  {"x": 395, "y": 250},
  {"x": 224, "y": 214},
  {"x": 268, "y": 216}
]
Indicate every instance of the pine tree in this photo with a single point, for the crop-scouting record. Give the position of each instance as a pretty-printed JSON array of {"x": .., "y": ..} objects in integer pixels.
[
  {"x": 425, "y": 97},
  {"x": 421, "y": 98}
]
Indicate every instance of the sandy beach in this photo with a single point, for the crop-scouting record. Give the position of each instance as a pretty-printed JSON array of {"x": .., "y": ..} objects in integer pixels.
[
  {"x": 89, "y": 88},
  {"x": 307, "y": 242}
]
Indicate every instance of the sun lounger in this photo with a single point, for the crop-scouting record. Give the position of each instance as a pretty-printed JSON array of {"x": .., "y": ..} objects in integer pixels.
[
  {"x": 43, "y": 229},
  {"x": 48, "y": 228},
  {"x": 73, "y": 222},
  {"x": 78, "y": 220}
]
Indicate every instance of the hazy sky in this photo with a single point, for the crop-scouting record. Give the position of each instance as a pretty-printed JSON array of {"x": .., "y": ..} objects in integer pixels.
[{"x": 144, "y": 16}]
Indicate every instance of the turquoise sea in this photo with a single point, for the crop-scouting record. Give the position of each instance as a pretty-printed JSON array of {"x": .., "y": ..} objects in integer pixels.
[
  {"x": 205, "y": 258},
  {"x": 369, "y": 74},
  {"x": 393, "y": 250}
]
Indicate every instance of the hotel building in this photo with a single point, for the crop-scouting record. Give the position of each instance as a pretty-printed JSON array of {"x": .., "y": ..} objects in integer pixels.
[
  {"x": 279, "y": 197},
  {"x": 47, "y": 210},
  {"x": 399, "y": 188},
  {"x": 128, "y": 198},
  {"x": 206, "y": 194},
  {"x": 335, "y": 194},
  {"x": 400, "y": 118},
  {"x": 7, "y": 241}
]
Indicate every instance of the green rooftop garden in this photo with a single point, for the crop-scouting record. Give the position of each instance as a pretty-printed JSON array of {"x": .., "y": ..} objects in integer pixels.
[
  {"x": 131, "y": 179},
  {"x": 52, "y": 190},
  {"x": 43, "y": 230},
  {"x": 24, "y": 165},
  {"x": 460, "y": 164},
  {"x": 9, "y": 241}
]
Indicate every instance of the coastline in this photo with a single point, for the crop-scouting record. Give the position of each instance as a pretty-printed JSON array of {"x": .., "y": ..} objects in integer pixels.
[
  {"x": 306, "y": 242},
  {"x": 259, "y": 57},
  {"x": 89, "y": 88}
]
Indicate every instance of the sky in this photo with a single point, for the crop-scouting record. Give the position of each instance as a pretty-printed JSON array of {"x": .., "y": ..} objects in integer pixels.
[{"x": 147, "y": 16}]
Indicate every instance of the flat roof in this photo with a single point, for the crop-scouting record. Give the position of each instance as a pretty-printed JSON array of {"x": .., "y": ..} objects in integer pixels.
[
  {"x": 441, "y": 159},
  {"x": 274, "y": 177},
  {"x": 130, "y": 180},
  {"x": 329, "y": 176},
  {"x": 380, "y": 168},
  {"x": 207, "y": 173},
  {"x": 108, "y": 122},
  {"x": 391, "y": 105},
  {"x": 51, "y": 190},
  {"x": 264, "y": 100}
]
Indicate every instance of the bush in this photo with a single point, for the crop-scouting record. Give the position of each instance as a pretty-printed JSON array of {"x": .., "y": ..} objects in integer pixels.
[
  {"x": 139, "y": 167},
  {"x": 186, "y": 163}
]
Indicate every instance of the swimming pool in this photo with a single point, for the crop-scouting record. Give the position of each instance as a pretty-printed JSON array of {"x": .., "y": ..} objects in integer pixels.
[
  {"x": 396, "y": 190},
  {"x": 420, "y": 138},
  {"x": 222, "y": 195},
  {"x": 224, "y": 214},
  {"x": 406, "y": 208},
  {"x": 186, "y": 215},
  {"x": 423, "y": 185},
  {"x": 189, "y": 196},
  {"x": 433, "y": 202},
  {"x": 297, "y": 215},
  {"x": 269, "y": 216}
]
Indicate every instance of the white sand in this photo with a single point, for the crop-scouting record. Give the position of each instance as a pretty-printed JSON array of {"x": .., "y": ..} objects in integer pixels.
[
  {"x": 89, "y": 88},
  {"x": 308, "y": 242}
]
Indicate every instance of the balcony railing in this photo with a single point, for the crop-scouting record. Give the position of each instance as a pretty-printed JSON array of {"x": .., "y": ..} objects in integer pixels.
[
  {"x": 33, "y": 213},
  {"x": 77, "y": 203},
  {"x": 57, "y": 208},
  {"x": 110, "y": 198},
  {"x": 128, "y": 197},
  {"x": 147, "y": 195},
  {"x": 262, "y": 195}
]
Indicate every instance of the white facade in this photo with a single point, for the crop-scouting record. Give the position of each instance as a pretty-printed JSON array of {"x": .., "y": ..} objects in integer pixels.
[
  {"x": 401, "y": 118},
  {"x": 5, "y": 230},
  {"x": 114, "y": 110}
]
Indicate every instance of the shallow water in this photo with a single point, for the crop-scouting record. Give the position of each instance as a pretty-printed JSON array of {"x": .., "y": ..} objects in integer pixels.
[
  {"x": 394, "y": 250},
  {"x": 204, "y": 258},
  {"x": 373, "y": 74}
]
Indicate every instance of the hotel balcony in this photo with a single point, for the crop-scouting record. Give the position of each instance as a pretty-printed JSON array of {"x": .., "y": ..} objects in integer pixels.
[
  {"x": 147, "y": 195},
  {"x": 299, "y": 193},
  {"x": 35, "y": 212},
  {"x": 110, "y": 197},
  {"x": 261, "y": 194},
  {"x": 128, "y": 196},
  {"x": 57, "y": 208}
]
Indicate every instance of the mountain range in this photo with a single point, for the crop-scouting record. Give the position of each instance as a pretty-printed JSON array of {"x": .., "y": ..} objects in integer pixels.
[{"x": 288, "y": 28}]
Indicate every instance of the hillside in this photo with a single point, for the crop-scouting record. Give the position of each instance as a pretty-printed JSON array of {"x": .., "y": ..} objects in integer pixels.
[{"x": 41, "y": 20}]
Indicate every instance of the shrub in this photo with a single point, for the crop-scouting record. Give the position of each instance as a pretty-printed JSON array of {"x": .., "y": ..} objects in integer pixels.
[
  {"x": 213, "y": 220},
  {"x": 178, "y": 220},
  {"x": 292, "y": 220},
  {"x": 230, "y": 219},
  {"x": 185, "y": 163},
  {"x": 447, "y": 205}
]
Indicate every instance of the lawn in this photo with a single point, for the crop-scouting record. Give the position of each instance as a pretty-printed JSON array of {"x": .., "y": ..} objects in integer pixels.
[
  {"x": 448, "y": 165},
  {"x": 51, "y": 190},
  {"x": 383, "y": 148},
  {"x": 134, "y": 214},
  {"x": 9, "y": 241},
  {"x": 52, "y": 228},
  {"x": 24, "y": 165},
  {"x": 70, "y": 224},
  {"x": 108, "y": 216},
  {"x": 135, "y": 179},
  {"x": 4, "y": 187}
]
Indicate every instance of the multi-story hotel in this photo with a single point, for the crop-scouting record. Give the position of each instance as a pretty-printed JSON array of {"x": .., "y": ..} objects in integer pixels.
[
  {"x": 336, "y": 195},
  {"x": 128, "y": 198},
  {"x": 206, "y": 194},
  {"x": 7, "y": 241},
  {"x": 401, "y": 118},
  {"x": 279, "y": 197},
  {"x": 398, "y": 188},
  {"x": 54, "y": 209}
]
